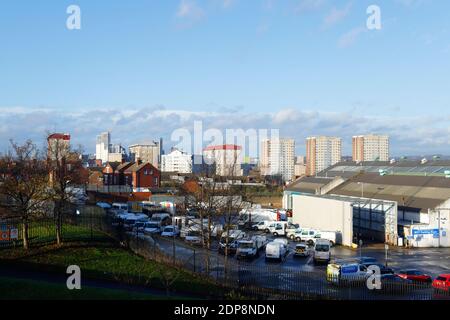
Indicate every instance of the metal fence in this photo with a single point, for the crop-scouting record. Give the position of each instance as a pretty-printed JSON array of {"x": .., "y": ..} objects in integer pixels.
[{"x": 271, "y": 281}]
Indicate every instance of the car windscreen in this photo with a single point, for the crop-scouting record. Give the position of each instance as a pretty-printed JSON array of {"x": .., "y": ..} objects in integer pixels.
[
  {"x": 152, "y": 225},
  {"x": 168, "y": 229},
  {"x": 193, "y": 233},
  {"x": 245, "y": 245}
]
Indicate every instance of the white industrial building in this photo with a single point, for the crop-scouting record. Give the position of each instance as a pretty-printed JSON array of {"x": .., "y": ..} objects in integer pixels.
[{"x": 404, "y": 203}]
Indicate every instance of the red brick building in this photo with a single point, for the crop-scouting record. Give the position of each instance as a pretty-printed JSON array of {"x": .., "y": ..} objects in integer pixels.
[{"x": 142, "y": 176}]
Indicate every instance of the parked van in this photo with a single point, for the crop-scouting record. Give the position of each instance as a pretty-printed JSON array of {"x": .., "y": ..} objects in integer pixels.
[
  {"x": 250, "y": 248},
  {"x": 332, "y": 236},
  {"x": 276, "y": 250},
  {"x": 278, "y": 228},
  {"x": 322, "y": 251},
  {"x": 346, "y": 272},
  {"x": 233, "y": 236},
  {"x": 162, "y": 218},
  {"x": 307, "y": 235},
  {"x": 262, "y": 226}
]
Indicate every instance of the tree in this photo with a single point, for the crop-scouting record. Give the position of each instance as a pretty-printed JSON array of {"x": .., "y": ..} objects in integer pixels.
[
  {"x": 23, "y": 184},
  {"x": 65, "y": 175}
]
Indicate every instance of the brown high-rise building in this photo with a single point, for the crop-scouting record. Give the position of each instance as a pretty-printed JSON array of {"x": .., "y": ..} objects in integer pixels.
[
  {"x": 370, "y": 148},
  {"x": 321, "y": 153}
]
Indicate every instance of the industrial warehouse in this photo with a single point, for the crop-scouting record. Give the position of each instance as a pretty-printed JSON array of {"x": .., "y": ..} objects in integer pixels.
[{"x": 405, "y": 203}]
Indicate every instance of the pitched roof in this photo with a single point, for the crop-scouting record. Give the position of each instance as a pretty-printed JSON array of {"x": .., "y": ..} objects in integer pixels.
[
  {"x": 124, "y": 166},
  {"x": 113, "y": 165},
  {"x": 136, "y": 167}
]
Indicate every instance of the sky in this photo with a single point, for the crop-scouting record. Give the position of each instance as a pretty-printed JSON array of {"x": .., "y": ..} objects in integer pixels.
[{"x": 143, "y": 69}]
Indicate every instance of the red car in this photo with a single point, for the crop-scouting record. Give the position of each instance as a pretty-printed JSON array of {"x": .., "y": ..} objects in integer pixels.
[
  {"x": 442, "y": 283},
  {"x": 415, "y": 275}
]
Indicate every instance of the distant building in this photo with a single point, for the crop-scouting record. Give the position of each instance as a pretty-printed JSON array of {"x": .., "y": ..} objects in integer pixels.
[
  {"x": 150, "y": 152},
  {"x": 321, "y": 153},
  {"x": 278, "y": 158},
  {"x": 102, "y": 147},
  {"x": 226, "y": 159},
  {"x": 58, "y": 145},
  {"x": 116, "y": 153},
  {"x": 142, "y": 176},
  {"x": 300, "y": 166},
  {"x": 176, "y": 161},
  {"x": 370, "y": 148}
]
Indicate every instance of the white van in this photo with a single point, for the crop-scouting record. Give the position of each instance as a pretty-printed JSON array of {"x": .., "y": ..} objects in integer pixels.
[
  {"x": 328, "y": 235},
  {"x": 278, "y": 228},
  {"x": 276, "y": 250},
  {"x": 322, "y": 251},
  {"x": 162, "y": 218}
]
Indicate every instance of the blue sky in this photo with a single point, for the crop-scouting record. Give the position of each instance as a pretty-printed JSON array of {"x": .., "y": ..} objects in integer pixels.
[{"x": 144, "y": 68}]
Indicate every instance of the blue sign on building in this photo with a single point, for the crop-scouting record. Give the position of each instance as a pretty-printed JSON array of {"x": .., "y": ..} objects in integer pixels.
[{"x": 420, "y": 232}]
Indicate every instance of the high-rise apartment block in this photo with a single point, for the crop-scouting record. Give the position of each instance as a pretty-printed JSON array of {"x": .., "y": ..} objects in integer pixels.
[
  {"x": 102, "y": 147},
  {"x": 277, "y": 157},
  {"x": 226, "y": 158},
  {"x": 321, "y": 153},
  {"x": 176, "y": 161},
  {"x": 370, "y": 148}
]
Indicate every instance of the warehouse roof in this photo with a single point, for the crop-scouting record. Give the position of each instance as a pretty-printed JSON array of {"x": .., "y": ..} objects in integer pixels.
[
  {"x": 308, "y": 184},
  {"x": 417, "y": 192}
]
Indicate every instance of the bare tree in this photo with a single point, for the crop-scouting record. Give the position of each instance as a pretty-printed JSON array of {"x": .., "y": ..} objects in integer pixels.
[
  {"x": 24, "y": 184},
  {"x": 65, "y": 174}
]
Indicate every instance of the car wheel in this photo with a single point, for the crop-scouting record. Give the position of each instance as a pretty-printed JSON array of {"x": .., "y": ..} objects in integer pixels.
[
  {"x": 266, "y": 231},
  {"x": 275, "y": 234},
  {"x": 292, "y": 237},
  {"x": 298, "y": 239},
  {"x": 332, "y": 243}
]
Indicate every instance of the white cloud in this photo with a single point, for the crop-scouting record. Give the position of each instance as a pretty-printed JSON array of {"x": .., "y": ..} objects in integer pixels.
[{"x": 409, "y": 135}]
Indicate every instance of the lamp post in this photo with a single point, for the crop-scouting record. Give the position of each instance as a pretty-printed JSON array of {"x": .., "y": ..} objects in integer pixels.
[
  {"x": 362, "y": 189},
  {"x": 386, "y": 249},
  {"x": 360, "y": 248}
]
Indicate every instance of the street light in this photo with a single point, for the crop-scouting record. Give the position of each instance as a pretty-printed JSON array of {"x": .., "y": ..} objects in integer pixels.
[
  {"x": 386, "y": 248},
  {"x": 362, "y": 189},
  {"x": 360, "y": 248}
]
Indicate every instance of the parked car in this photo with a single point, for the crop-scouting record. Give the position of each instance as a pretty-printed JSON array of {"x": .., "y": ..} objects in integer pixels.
[
  {"x": 152, "y": 228},
  {"x": 162, "y": 218},
  {"x": 301, "y": 250},
  {"x": 442, "y": 283},
  {"x": 414, "y": 275},
  {"x": 193, "y": 237},
  {"x": 170, "y": 231},
  {"x": 322, "y": 251},
  {"x": 277, "y": 249},
  {"x": 392, "y": 283}
]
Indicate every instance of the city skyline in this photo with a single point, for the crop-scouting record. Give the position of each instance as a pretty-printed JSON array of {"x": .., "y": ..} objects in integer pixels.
[{"x": 304, "y": 67}]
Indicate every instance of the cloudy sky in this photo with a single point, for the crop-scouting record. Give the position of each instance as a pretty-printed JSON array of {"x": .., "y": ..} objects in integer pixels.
[{"x": 143, "y": 69}]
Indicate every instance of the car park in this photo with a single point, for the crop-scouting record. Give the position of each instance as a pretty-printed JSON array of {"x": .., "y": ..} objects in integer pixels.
[
  {"x": 301, "y": 250},
  {"x": 414, "y": 275},
  {"x": 442, "y": 283}
]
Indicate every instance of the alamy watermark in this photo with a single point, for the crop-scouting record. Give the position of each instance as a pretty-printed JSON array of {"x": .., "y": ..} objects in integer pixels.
[
  {"x": 74, "y": 280},
  {"x": 73, "y": 21}
]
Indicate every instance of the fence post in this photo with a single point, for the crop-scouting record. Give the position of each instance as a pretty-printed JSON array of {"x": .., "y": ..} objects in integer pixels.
[
  {"x": 194, "y": 260},
  {"x": 92, "y": 235}
]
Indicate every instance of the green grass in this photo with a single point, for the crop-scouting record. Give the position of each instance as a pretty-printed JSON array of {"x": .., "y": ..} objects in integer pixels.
[
  {"x": 116, "y": 264},
  {"x": 21, "y": 289}
]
